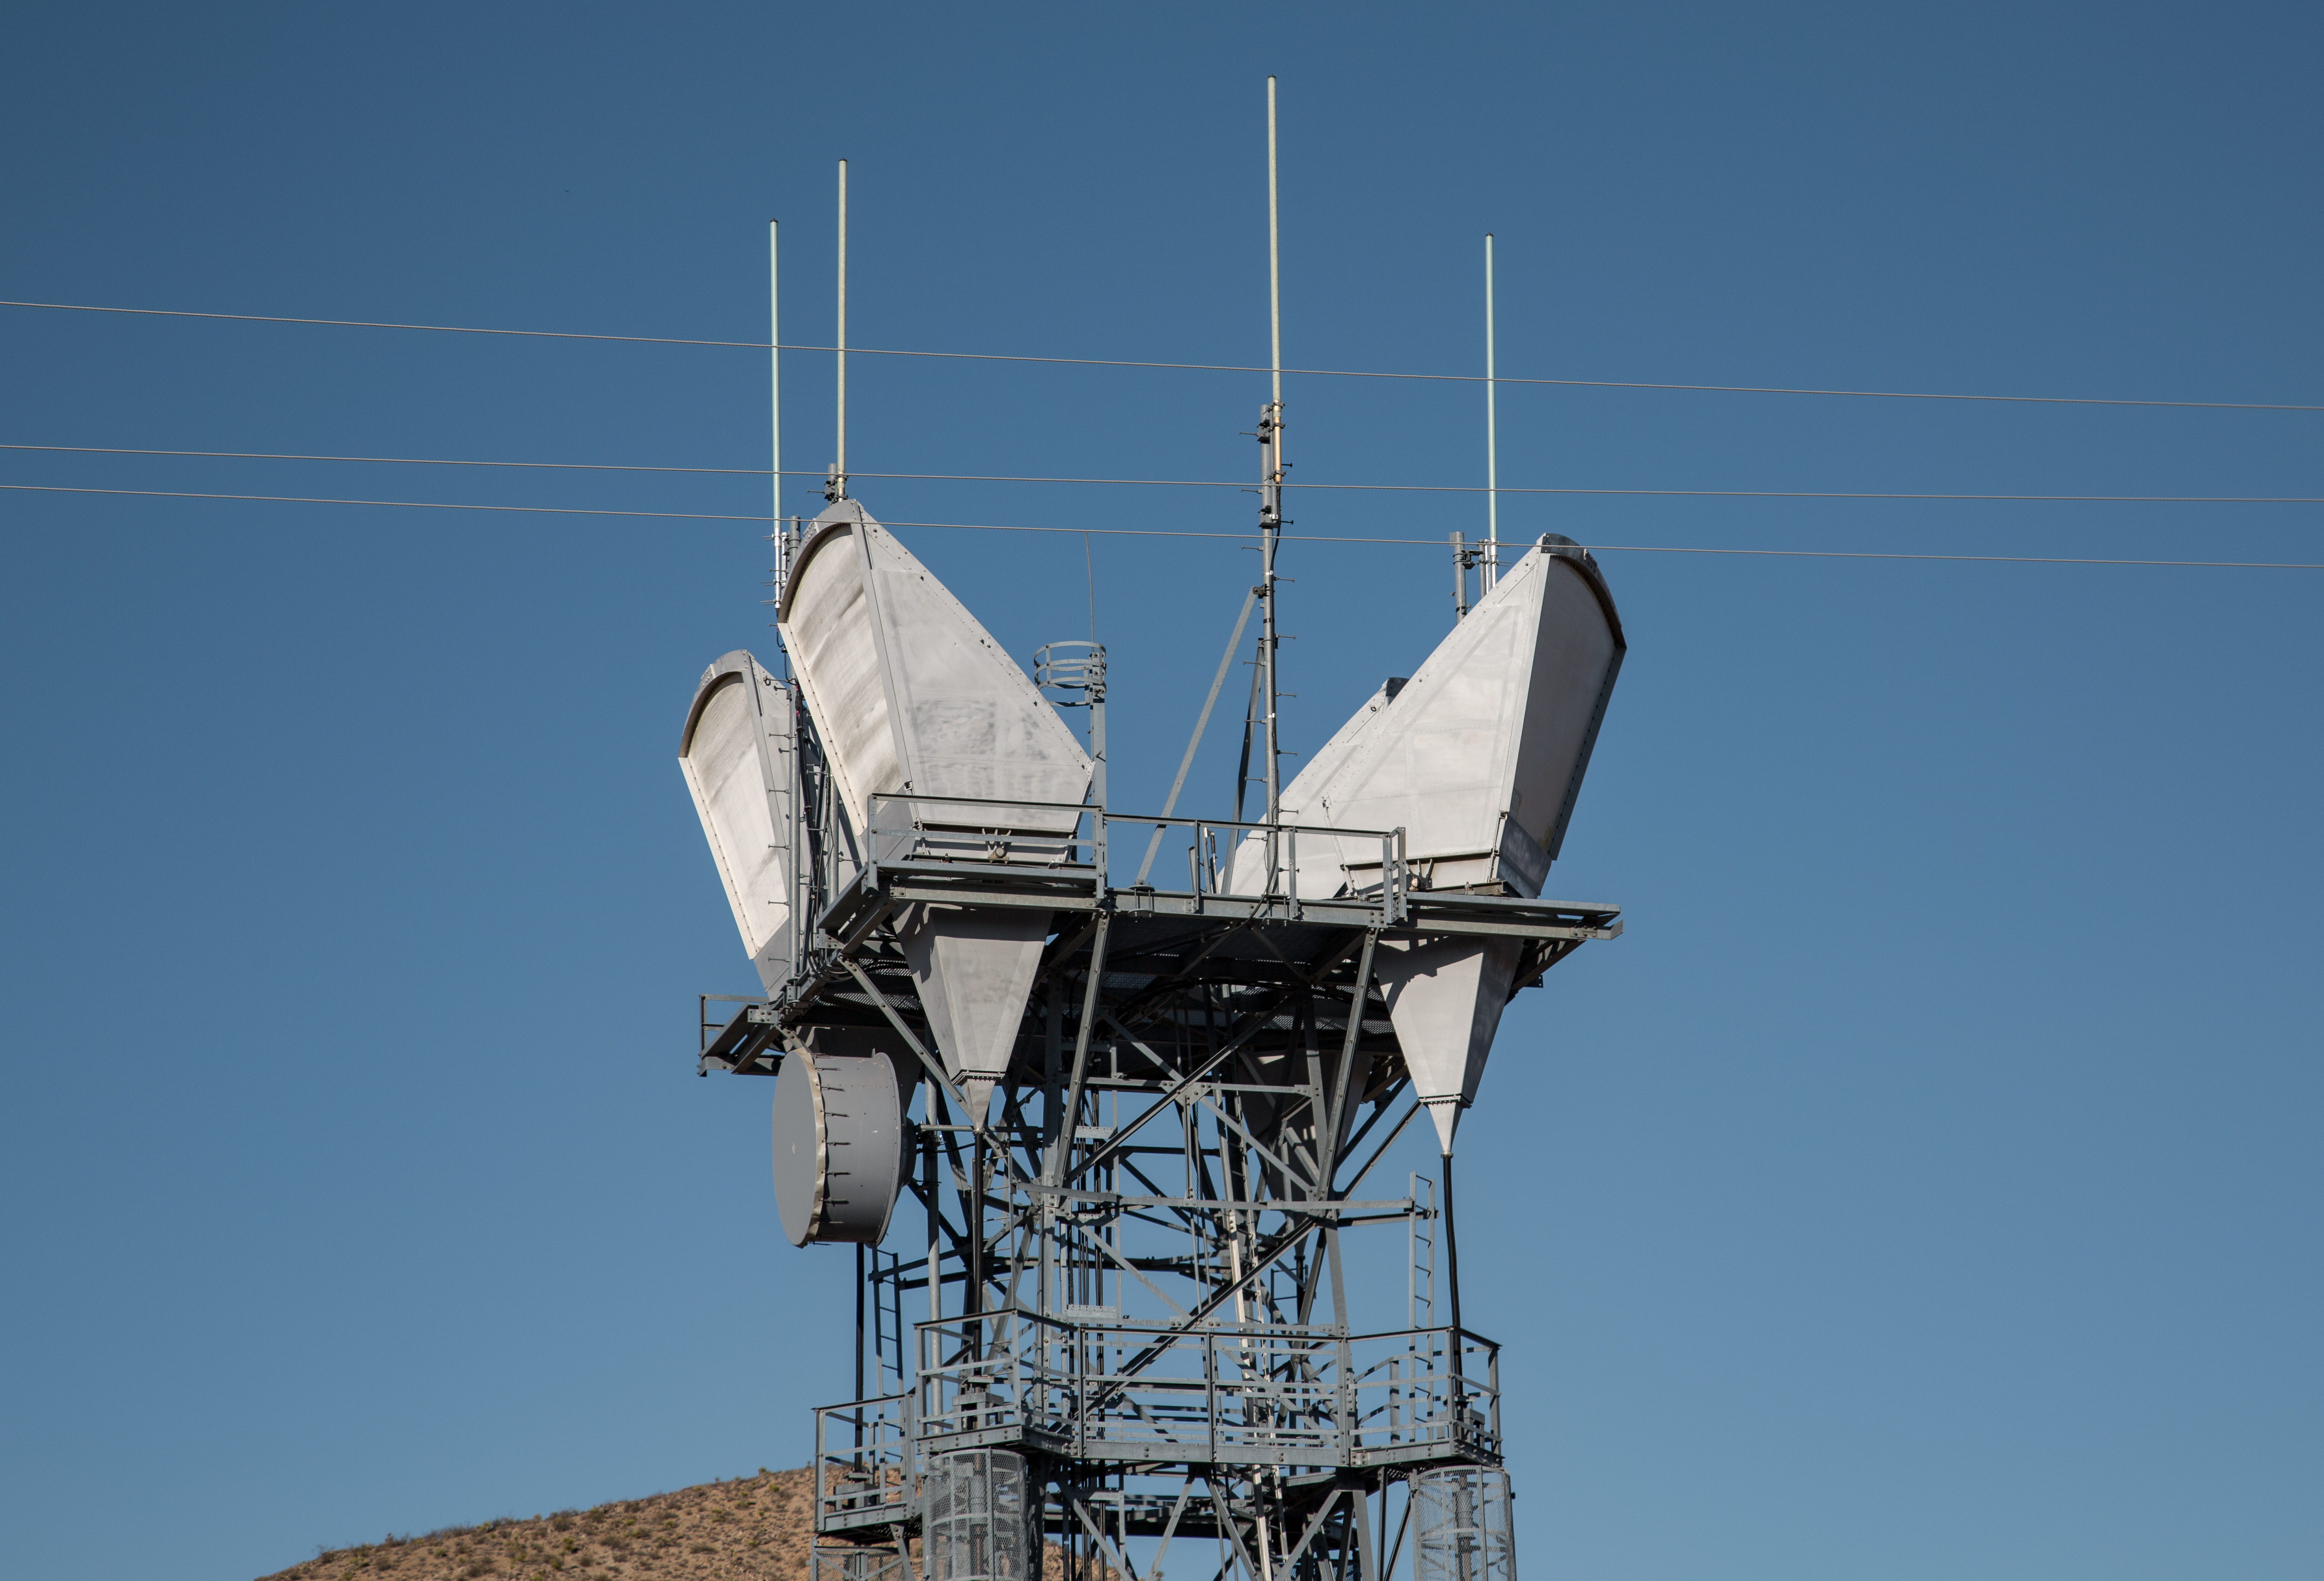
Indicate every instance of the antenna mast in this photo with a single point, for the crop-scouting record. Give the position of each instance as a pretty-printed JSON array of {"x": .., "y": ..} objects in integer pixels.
[
  {"x": 775, "y": 407},
  {"x": 834, "y": 487},
  {"x": 1492, "y": 566},
  {"x": 775, "y": 366},
  {"x": 1271, "y": 470}
]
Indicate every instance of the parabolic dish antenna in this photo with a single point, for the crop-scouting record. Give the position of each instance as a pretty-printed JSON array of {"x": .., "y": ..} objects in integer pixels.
[{"x": 840, "y": 1153}]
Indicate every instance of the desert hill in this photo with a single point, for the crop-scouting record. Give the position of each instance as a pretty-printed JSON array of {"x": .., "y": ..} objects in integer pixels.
[{"x": 752, "y": 1529}]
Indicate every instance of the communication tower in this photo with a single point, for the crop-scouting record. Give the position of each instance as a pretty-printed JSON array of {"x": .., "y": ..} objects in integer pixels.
[{"x": 1131, "y": 1295}]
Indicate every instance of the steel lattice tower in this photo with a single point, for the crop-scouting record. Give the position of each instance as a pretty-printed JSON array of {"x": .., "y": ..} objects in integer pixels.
[{"x": 1132, "y": 1293}]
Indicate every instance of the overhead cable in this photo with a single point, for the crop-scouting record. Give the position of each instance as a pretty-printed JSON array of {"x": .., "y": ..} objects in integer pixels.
[
  {"x": 1174, "y": 533},
  {"x": 955, "y": 477},
  {"x": 752, "y": 472},
  {"x": 399, "y": 504},
  {"x": 1192, "y": 367}
]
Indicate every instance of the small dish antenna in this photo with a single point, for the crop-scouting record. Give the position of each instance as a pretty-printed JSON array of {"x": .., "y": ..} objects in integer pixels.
[{"x": 840, "y": 1153}]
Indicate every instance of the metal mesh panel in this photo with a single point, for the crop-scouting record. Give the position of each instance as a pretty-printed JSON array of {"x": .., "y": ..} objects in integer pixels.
[
  {"x": 847, "y": 1562},
  {"x": 1462, "y": 1526},
  {"x": 975, "y": 1518}
]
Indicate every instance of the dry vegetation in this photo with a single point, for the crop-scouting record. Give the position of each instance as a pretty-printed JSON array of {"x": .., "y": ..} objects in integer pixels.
[{"x": 752, "y": 1529}]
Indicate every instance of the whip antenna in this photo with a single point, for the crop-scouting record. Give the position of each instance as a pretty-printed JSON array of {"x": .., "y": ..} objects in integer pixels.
[
  {"x": 1492, "y": 567},
  {"x": 1271, "y": 470},
  {"x": 834, "y": 488}
]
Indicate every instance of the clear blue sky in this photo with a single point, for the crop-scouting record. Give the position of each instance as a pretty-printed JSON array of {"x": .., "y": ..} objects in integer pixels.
[{"x": 1927, "y": 1186}]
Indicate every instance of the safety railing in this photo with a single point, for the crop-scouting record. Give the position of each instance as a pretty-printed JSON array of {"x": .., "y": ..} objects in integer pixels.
[
  {"x": 1018, "y": 831},
  {"x": 1271, "y": 1394},
  {"x": 1417, "y": 1394},
  {"x": 1250, "y": 1394},
  {"x": 1210, "y": 862},
  {"x": 862, "y": 1461}
]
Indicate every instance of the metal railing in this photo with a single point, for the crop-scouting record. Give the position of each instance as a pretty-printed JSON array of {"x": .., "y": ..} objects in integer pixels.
[
  {"x": 864, "y": 1467},
  {"x": 1253, "y": 1394},
  {"x": 995, "y": 1377},
  {"x": 1210, "y": 872},
  {"x": 1415, "y": 1396},
  {"x": 913, "y": 826},
  {"x": 1031, "y": 834}
]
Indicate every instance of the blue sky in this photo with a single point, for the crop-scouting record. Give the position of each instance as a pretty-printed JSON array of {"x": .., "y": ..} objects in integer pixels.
[{"x": 1926, "y": 1186}]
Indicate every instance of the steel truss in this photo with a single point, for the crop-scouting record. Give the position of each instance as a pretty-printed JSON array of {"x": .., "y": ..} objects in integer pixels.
[{"x": 1132, "y": 1275}]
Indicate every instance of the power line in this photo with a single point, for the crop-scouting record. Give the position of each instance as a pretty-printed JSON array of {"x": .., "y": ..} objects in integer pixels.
[
  {"x": 1997, "y": 559},
  {"x": 753, "y": 472},
  {"x": 1650, "y": 549},
  {"x": 380, "y": 324},
  {"x": 1867, "y": 494},
  {"x": 399, "y": 504},
  {"x": 1177, "y": 533},
  {"x": 1193, "y": 367},
  {"x": 761, "y": 472}
]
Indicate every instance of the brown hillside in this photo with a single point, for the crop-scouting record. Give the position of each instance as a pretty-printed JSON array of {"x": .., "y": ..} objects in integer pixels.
[{"x": 752, "y": 1529}]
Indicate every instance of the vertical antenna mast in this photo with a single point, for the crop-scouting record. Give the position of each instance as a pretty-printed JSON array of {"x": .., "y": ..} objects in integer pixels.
[
  {"x": 1492, "y": 566},
  {"x": 836, "y": 487},
  {"x": 775, "y": 406},
  {"x": 1271, "y": 470},
  {"x": 1273, "y": 262}
]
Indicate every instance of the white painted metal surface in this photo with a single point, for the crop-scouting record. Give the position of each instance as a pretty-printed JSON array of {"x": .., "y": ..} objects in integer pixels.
[
  {"x": 736, "y": 756},
  {"x": 1445, "y": 996},
  {"x": 911, "y": 694},
  {"x": 1478, "y": 757},
  {"x": 974, "y": 970},
  {"x": 839, "y": 1147}
]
